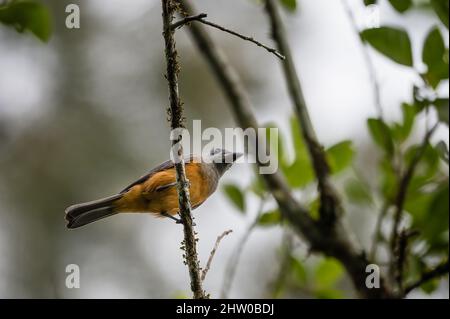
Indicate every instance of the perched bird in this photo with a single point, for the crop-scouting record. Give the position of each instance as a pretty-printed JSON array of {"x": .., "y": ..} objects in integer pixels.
[{"x": 156, "y": 192}]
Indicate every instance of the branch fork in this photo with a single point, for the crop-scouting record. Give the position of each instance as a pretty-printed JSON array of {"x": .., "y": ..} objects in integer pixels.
[{"x": 202, "y": 19}]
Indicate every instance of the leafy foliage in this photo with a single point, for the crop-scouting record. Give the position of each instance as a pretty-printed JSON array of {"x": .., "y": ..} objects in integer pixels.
[
  {"x": 401, "y": 5},
  {"x": 427, "y": 193},
  {"x": 441, "y": 7},
  {"x": 401, "y": 131},
  {"x": 270, "y": 218},
  {"x": 27, "y": 15},
  {"x": 435, "y": 56},
  {"x": 299, "y": 173},
  {"x": 327, "y": 273},
  {"x": 291, "y": 5},
  {"x": 392, "y": 42},
  {"x": 340, "y": 156},
  {"x": 427, "y": 199},
  {"x": 236, "y": 196},
  {"x": 370, "y": 2},
  {"x": 381, "y": 134},
  {"x": 358, "y": 192}
]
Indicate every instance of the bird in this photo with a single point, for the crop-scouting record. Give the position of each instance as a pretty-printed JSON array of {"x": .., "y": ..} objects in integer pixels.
[{"x": 156, "y": 191}]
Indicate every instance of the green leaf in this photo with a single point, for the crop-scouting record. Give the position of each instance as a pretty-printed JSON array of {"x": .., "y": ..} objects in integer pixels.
[
  {"x": 403, "y": 131},
  {"x": 291, "y": 5},
  {"x": 271, "y": 218},
  {"x": 430, "y": 212},
  {"x": 441, "y": 8},
  {"x": 409, "y": 115},
  {"x": 381, "y": 134},
  {"x": 430, "y": 286},
  {"x": 442, "y": 106},
  {"x": 299, "y": 271},
  {"x": 392, "y": 42},
  {"x": 328, "y": 273},
  {"x": 236, "y": 196},
  {"x": 358, "y": 192},
  {"x": 442, "y": 149},
  {"x": 401, "y": 5},
  {"x": 257, "y": 186},
  {"x": 438, "y": 215},
  {"x": 417, "y": 204},
  {"x": 27, "y": 16},
  {"x": 340, "y": 156},
  {"x": 370, "y": 2},
  {"x": 416, "y": 266},
  {"x": 300, "y": 173},
  {"x": 435, "y": 56},
  {"x": 420, "y": 196},
  {"x": 427, "y": 167},
  {"x": 388, "y": 178}
]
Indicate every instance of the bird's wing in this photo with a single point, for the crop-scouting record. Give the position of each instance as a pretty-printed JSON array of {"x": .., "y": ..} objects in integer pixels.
[{"x": 162, "y": 167}]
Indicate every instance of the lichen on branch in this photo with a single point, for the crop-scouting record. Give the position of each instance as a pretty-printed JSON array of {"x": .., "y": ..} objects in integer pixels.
[{"x": 176, "y": 119}]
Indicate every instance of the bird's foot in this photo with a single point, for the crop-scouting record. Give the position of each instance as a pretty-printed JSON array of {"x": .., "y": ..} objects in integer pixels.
[{"x": 177, "y": 220}]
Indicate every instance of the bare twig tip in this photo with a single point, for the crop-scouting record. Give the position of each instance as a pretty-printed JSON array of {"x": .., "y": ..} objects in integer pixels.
[{"x": 213, "y": 252}]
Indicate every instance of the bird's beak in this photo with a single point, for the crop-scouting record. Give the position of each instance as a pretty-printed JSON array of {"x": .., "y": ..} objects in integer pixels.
[
  {"x": 230, "y": 158},
  {"x": 236, "y": 156}
]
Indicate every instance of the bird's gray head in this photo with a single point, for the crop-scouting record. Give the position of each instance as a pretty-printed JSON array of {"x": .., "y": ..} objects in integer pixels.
[{"x": 223, "y": 159}]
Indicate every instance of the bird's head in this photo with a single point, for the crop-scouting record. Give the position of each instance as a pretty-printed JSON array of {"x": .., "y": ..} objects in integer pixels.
[{"x": 223, "y": 159}]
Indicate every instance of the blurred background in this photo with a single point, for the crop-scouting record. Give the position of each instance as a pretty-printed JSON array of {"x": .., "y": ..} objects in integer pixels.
[{"x": 85, "y": 114}]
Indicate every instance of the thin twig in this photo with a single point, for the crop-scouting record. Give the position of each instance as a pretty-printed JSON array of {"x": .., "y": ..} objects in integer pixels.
[
  {"x": 330, "y": 208},
  {"x": 230, "y": 271},
  {"x": 241, "y": 36},
  {"x": 187, "y": 20},
  {"x": 176, "y": 121},
  {"x": 368, "y": 61},
  {"x": 437, "y": 272},
  {"x": 213, "y": 252},
  {"x": 336, "y": 244},
  {"x": 403, "y": 191}
]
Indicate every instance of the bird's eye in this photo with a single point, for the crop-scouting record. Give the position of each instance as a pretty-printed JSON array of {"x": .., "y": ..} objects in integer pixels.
[{"x": 215, "y": 151}]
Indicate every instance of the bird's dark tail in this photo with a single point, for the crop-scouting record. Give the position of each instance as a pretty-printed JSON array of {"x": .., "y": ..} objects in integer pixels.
[{"x": 86, "y": 213}]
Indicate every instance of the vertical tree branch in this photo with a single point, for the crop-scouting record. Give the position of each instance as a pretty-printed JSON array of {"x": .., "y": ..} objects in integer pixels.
[
  {"x": 330, "y": 207},
  {"x": 335, "y": 242},
  {"x": 176, "y": 122}
]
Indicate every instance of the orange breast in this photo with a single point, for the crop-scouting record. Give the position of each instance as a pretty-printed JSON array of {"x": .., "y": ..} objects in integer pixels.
[{"x": 145, "y": 197}]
